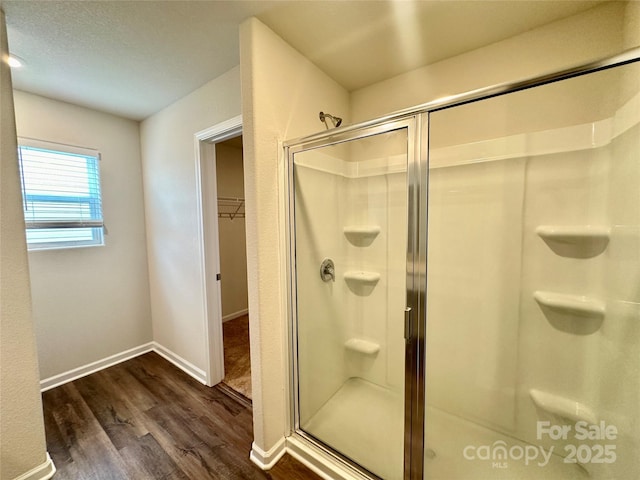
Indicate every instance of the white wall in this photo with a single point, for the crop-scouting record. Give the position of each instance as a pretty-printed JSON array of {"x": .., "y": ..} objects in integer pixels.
[
  {"x": 232, "y": 233},
  {"x": 282, "y": 94},
  {"x": 170, "y": 192},
  {"x": 91, "y": 303},
  {"x": 22, "y": 440}
]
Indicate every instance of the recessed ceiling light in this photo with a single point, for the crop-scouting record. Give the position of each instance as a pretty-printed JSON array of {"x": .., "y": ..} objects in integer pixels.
[{"x": 15, "y": 62}]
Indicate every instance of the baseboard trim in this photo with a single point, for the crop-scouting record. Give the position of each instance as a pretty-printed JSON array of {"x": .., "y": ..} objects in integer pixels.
[
  {"x": 42, "y": 472},
  {"x": 184, "y": 365},
  {"x": 93, "y": 367},
  {"x": 234, "y": 315},
  {"x": 266, "y": 460}
]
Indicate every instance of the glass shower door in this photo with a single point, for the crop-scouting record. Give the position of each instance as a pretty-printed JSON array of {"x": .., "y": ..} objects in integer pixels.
[
  {"x": 533, "y": 317},
  {"x": 350, "y": 248}
]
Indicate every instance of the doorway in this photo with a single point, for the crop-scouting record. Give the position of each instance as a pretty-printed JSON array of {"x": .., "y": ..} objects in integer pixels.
[
  {"x": 221, "y": 209},
  {"x": 233, "y": 264}
]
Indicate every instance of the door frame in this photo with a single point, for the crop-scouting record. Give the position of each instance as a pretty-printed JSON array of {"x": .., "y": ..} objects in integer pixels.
[
  {"x": 298, "y": 440},
  {"x": 209, "y": 243}
]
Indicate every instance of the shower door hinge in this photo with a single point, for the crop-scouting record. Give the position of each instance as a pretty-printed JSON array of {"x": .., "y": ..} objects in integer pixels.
[{"x": 408, "y": 324}]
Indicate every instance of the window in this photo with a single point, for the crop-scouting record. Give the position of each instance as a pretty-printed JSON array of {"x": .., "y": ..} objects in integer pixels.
[{"x": 61, "y": 195}]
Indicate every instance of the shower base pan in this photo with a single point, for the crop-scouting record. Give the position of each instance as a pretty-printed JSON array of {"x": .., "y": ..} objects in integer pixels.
[
  {"x": 448, "y": 436},
  {"x": 365, "y": 422}
]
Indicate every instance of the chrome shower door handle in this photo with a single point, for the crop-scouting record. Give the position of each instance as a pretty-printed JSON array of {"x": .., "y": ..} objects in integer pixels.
[
  {"x": 408, "y": 324},
  {"x": 327, "y": 270}
]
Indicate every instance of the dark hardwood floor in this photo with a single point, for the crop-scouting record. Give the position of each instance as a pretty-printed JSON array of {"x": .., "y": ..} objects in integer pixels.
[{"x": 146, "y": 419}]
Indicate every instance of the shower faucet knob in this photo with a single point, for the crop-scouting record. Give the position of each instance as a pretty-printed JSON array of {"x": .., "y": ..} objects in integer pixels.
[{"x": 327, "y": 270}]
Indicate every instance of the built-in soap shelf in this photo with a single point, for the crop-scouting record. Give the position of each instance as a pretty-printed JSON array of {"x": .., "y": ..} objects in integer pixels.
[
  {"x": 562, "y": 408},
  {"x": 362, "y": 277},
  {"x": 361, "y": 235},
  {"x": 362, "y": 230},
  {"x": 571, "y": 304},
  {"x": 578, "y": 241},
  {"x": 363, "y": 346},
  {"x": 574, "y": 233}
]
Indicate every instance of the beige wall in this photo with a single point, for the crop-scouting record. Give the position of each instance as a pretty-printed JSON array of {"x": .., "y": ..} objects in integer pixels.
[
  {"x": 631, "y": 29},
  {"x": 231, "y": 232},
  {"x": 175, "y": 264},
  {"x": 22, "y": 441},
  {"x": 91, "y": 303},
  {"x": 282, "y": 94},
  {"x": 558, "y": 45}
]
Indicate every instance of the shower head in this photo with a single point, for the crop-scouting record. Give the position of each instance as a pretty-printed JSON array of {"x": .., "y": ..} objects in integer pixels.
[{"x": 337, "y": 121}]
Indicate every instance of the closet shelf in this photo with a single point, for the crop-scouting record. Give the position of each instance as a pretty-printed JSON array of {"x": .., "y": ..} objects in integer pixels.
[
  {"x": 571, "y": 304},
  {"x": 580, "y": 241},
  {"x": 230, "y": 207},
  {"x": 360, "y": 345},
  {"x": 362, "y": 277},
  {"x": 361, "y": 235},
  {"x": 562, "y": 407}
]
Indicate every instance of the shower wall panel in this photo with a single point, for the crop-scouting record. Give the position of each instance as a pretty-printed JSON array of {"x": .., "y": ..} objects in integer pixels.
[
  {"x": 618, "y": 355},
  {"x": 351, "y": 207},
  {"x": 319, "y": 214},
  {"x": 591, "y": 361},
  {"x": 564, "y": 189},
  {"x": 334, "y": 194},
  {"x": 474, "y": 289},
  {"x": 376, "y": 313},
  {"x": 534, "y": 247},
  {"x": 379, "y": 180}
]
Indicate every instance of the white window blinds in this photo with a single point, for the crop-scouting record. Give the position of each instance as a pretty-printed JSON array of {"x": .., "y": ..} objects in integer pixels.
[{"x": 61, "y": 195}]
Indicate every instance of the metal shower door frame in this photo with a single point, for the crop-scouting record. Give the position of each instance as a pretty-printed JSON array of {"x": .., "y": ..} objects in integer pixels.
[
  {"x": 417, "y": 170},
  {"x": 418, "y": 233}
]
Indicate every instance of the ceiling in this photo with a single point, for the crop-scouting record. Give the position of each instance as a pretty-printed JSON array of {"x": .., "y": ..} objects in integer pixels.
[{"x": 133, "y": 58}]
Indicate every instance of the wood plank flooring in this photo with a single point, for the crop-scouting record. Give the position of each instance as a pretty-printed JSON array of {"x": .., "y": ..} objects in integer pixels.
[{"x": 146, "y": 419}]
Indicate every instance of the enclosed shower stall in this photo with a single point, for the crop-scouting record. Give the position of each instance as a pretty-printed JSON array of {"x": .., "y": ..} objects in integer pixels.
[{"x": 465, "y": 284}]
